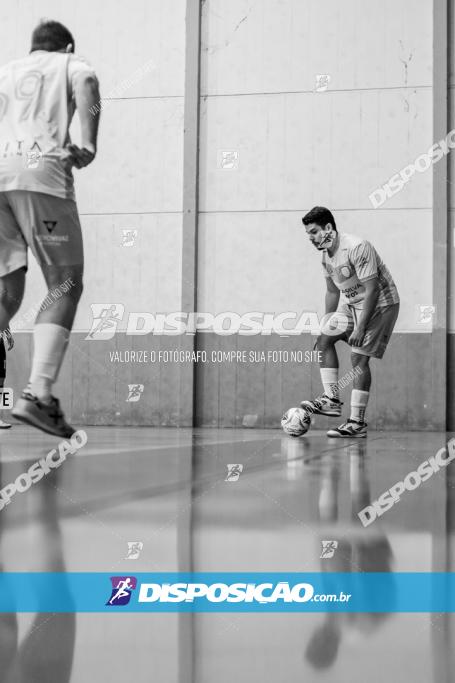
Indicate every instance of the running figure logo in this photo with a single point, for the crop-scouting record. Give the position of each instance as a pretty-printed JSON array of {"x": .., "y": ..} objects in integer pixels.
[
  {"x": 128, "y": 238},
  {"x": 234, "y": 472},
  {"x": 322, "y": 82},
  {"x": 427, "y": 313},
  {"x": 328, "y": 549},
  {"x": 33, "y": 156},
  {"x": 106, "y": 317},
  {"x": 134, "y": 550},
  {"x": 228, "y": 159},
  {"x": 122, "y": 587},
  {"x": 134, "y": 392}
]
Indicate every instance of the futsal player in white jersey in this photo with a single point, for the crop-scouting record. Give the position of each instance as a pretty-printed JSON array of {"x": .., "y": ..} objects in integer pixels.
[
  {"x": 38, "y": 96},
  {"x": 360, "y": 287}
]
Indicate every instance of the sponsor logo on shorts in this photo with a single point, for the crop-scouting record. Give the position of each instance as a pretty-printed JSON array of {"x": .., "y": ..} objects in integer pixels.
[
  {"x": 50, "y": 225},
  {"x": 56, "y": 240}
]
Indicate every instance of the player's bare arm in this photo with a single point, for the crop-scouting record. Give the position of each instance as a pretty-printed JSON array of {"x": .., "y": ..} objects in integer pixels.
[
  {"x": 369, "y": 306},
  {"x": 87, "y": 96},
  {"x": 332, "y": 296}
]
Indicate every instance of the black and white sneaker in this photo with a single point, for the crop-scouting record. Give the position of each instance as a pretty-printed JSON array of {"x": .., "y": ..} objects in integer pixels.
[
  {"x": 349, "y": 430},
  {"x": 323, "y": 405},
  {"x": 45, "y": 416}
]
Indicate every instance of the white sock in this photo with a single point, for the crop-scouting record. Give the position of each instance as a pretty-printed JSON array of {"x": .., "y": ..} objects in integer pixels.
[
  {"x": 359, "y": 402},
  {"x": 329, "y": 379},
  {"x": 50, "y": 342}
]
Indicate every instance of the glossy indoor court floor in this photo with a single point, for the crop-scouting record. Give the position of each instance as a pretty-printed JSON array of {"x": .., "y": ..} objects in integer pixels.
[{"x": 167, "y": 488}]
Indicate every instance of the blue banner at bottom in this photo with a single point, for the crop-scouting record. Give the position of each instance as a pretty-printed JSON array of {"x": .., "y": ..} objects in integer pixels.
[{"x": 227, "y": 592}]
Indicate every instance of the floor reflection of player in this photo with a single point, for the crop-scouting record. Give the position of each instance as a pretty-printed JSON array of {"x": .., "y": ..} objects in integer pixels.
[
  {"x": 44, "y": 653},
  {"x": 357, "y": 551},
  {"x": 121, "y": 592}
]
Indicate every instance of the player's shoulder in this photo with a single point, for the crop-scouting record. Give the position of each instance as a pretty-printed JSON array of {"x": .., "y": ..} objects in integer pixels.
[
  {"x": 80, "y": 59},
  {"x": 38, "y": 59},
  {"x": 14, "y": 64},
  {"x": 79, "y": 63},
  {"x": 349, "y": 241},
  {"x": 353, "y": 243}
]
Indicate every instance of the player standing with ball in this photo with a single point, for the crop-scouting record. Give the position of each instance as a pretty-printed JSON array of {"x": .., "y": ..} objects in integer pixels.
[
  {"x": 360, "y": 287},
  {"x": 38, "y": 96}
]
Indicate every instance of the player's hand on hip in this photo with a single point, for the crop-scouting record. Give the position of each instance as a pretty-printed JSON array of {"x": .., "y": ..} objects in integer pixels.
[{"x": 76, "y": 156}]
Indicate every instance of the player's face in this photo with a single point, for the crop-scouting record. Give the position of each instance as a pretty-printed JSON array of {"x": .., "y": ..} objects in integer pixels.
[{"x": 318, "y": 235}]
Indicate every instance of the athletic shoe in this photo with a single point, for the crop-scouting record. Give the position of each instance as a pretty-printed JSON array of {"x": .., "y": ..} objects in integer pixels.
[
  {"x": 349, "y": 430},
  {"x": 323, "y": 405},
  {"x": 45, "y": 416},
  {"x": 4, "y": 425}
]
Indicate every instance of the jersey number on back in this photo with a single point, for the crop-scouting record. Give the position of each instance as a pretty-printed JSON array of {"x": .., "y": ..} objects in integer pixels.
[{"x": 28, "y": 88}]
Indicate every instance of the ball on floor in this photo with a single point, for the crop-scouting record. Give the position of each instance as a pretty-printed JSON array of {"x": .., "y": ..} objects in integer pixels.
[{"x": 296, "y": 422}]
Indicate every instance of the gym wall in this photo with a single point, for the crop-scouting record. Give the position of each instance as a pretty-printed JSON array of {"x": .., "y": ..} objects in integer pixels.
[
  {"x": 135, "y": 184},
  {"x": 297, "y": 148},
  {"x": 294, "y": 147}
]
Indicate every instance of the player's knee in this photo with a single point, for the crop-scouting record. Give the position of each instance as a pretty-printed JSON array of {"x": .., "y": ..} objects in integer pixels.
[
  {"x": 12, "y": 290},
  {"x": 65, "y": 282},
  {"x": 76, "y": 289},
  {"x": 324, "y": 342},
  {"x": 359, "y": 360}
]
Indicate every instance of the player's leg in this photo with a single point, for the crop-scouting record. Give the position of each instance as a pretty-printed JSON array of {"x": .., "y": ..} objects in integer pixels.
[
  {"x": 362, "y": 382},
  {"x": 11, "y": 292},
  {"x": 51, "y": 228},
  {"x": 375, "y": 341},
  {"x": 13, "y": 262},
  {"x": 53, "y": 325},
  {"x": 355, "y": 426},
  {"x": 329, "y": 403}
]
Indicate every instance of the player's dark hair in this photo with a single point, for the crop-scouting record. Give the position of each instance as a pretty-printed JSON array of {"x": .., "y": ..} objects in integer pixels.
[
  {"x": 319, "y": 215},
  {"x": 51, "y": 36}
]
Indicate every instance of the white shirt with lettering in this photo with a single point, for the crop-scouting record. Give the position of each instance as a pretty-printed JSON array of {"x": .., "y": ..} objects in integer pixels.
[{"x": 36, "y": 108}]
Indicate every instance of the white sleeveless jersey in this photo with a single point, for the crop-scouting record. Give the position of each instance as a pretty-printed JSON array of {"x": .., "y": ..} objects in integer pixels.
[{"x": 36, "y": 108}]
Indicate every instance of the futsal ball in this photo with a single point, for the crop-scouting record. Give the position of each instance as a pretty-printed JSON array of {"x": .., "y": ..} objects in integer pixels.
[{"x": 296, "y": 422}]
